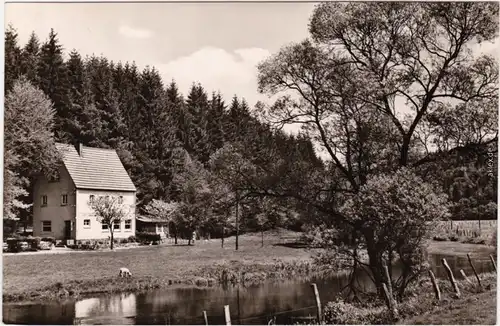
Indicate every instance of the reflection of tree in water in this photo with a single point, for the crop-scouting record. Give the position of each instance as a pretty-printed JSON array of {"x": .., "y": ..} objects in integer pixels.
[
  {"x": 53, "y": 313},
  {"x": 116, "y": 305}
]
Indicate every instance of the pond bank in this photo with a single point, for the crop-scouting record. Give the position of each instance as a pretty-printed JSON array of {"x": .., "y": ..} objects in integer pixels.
[
  {"x": 48, "y": 277},
  {"x": 419, "y": 306},
  {"x": 220, "y": 274}
]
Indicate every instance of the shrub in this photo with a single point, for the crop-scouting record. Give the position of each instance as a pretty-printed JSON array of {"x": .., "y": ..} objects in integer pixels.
[
  {"x": 132, "y": 238},
  {"x": 49, "y": 239},
  {"x": 339, "y": 312},
  {"x": 344, "y": 313},
  {"x": 123, "y": 241},
  {"x": 34, "y": 242}
]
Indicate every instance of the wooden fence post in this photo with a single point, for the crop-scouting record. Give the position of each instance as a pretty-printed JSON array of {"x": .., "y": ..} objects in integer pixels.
[
  {"x": 318, "y": 301},
  {"x": 390, "y": 301},
  {"x": 451, "y": 277},
  {"x": 435, "y": 285},
  {"x": 227, "y": 314},
  {"x": 474, "y": 270},
  {"x": 493, "y": 262},
  {"x": 205, "y": 317},
  {"x": 465, "y": 277}
]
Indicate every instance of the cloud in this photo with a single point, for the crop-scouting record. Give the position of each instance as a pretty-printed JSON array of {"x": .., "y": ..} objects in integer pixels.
[
  {"x": 231, "y": 73},
  {"x": 134, "y": 32}
]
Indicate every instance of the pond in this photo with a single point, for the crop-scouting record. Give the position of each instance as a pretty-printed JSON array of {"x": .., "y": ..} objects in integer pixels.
[{"x": 286, "y": 301}]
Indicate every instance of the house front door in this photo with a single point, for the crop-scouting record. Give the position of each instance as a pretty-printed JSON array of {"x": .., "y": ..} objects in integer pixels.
[{"x": 67, "y": 230}]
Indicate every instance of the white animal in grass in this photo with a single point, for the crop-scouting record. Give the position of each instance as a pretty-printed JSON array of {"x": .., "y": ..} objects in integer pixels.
[{"x": 124, "y": 272}]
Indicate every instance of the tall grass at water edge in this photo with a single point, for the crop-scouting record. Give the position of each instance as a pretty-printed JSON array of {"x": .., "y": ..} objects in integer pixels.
[
  {"x": 233, "y": 274},
  {"x": 467, "y": 232}
]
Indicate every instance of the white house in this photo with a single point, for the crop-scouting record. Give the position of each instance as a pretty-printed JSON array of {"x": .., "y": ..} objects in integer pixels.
[{"x": 61, "y": 206}]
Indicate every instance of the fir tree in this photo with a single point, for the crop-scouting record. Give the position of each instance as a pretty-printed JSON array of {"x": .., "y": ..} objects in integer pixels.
[
  {"x": 12, "y": 58},
  {"x": 76, "y": 78},
  {"x": 215, "y": 120},
  {"x": 198, "y": 106},
  {"x": 54, "y": 82},
  {"x": 29, "y": 59}
]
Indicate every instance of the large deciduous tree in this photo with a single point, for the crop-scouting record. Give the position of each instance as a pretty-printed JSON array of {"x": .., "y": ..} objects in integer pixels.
[
  {"x": 29, "y": 143},
  {"x": 234, "y": 173},
  {"x": 370, "y": 78},
  {"x": 194, "y": 194}
]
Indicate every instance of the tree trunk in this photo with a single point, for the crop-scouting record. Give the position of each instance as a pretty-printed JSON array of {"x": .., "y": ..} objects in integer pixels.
[
  {"x": 175, "y": 234},
  {"x": 237, "y": 217},
  {"x": 189, "y": 241},
  {"x": 262, "y": 237},
  {"x": 112, "y": 236},
  {"x": 375, "y": 263}
]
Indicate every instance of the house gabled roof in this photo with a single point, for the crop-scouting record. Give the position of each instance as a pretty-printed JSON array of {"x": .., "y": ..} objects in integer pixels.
[{"x": 96, "y": 168}]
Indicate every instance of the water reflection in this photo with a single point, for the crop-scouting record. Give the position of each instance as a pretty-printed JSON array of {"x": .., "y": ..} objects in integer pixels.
[{"x": 251, "y": 305}]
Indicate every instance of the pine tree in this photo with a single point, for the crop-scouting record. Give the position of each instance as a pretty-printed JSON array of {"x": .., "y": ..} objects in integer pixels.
[
  {"x": 76, "y": 96},
  {"x": 181, "y": 117},
  {"x": 54, "y": 82},
  {"x": 198, "y": 106},
  {"x": 215, "y": 120},
  {"x": 237, "y": 122},
  {"x": 12, "y": 58},
  {"x": 29, "y": 59}
]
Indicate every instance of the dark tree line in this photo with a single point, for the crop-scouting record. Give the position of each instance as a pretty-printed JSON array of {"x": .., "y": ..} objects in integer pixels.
[{"x": 101, "y": 103}]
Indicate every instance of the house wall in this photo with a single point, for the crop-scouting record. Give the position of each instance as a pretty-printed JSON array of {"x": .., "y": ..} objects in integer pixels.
[
  {"x": 54, "y": 211},
  {"x": 85, "y": 212}
]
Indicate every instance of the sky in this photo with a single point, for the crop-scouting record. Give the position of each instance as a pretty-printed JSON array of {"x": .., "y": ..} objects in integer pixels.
[{"x": 215, "y": 44}]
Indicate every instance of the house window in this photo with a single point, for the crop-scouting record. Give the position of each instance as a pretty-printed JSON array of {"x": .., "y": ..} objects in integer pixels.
[
  {"x": 104, "y": 227},
  {"x": 116, "y": 225},
  {"x": 91, "y": 199},
  {"x": 120, "y": 200},
  {"x": 128, "y": 224},
  {"x": 46, "y": 226},
  {"x": 64, "y": 199},
  {"x": 86, "y": 223},
  {"x": 44, "y": 200}
]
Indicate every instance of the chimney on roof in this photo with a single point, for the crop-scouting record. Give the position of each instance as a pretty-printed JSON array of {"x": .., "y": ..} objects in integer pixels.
[{"x": 80, "y": 149}]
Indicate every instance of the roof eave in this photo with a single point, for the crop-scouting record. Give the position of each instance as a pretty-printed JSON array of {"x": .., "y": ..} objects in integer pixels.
[{"x": 107, "y": 189}]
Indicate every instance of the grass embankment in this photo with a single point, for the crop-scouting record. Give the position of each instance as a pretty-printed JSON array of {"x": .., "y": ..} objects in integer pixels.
[
  {"x": 473, "y": 307},
  {"x": 49, "y": 276}
]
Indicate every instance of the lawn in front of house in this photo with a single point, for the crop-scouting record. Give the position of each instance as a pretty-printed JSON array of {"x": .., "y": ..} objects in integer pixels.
[{"x": 24, "y": 273}]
